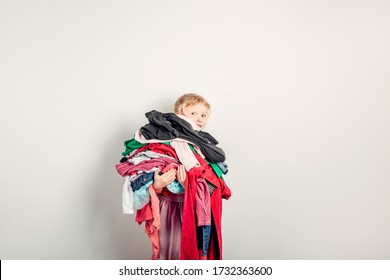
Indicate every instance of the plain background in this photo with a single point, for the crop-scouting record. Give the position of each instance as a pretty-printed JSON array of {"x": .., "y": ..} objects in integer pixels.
[{"x": 300, "y": 95}]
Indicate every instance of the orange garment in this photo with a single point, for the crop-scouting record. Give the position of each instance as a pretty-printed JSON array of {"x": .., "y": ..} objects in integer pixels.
[{"x": 150, "y": 214}]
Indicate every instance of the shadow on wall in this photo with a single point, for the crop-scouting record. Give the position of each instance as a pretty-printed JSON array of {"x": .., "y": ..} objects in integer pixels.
[{"x": 114, "y": 234}]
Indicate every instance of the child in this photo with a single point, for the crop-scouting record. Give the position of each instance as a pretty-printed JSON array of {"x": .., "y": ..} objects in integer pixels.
[{"x": 175, "y": 171}]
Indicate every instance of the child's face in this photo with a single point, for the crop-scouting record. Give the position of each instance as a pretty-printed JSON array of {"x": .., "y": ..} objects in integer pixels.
[{"x": 197, "y": 113}]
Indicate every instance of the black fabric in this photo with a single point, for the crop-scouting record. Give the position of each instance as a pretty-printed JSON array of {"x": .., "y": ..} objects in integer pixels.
[{"x": 168, "y": 126}]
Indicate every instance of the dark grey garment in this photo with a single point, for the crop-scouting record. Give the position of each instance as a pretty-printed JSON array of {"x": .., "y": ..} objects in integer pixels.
[
  {"x": 168, "y": 126},
  {"x": 210, "y": 186}
]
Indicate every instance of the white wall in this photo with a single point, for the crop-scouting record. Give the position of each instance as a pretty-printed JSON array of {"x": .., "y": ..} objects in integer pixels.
[{"x": 300, "y": 96}]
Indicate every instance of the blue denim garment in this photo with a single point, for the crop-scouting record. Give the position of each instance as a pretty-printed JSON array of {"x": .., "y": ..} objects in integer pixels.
[
  {"x": 203, "y": 238},
  {"x": 141, "y": 180}
]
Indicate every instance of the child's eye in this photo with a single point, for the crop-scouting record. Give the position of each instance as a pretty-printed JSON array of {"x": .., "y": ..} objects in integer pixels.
[{"x": 193, "y": 114}]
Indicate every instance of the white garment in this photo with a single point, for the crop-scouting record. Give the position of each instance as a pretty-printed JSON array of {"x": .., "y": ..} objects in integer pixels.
[
  {"x": 137, "y": 160},
  {"x": 127, "y": 197},
  {"x": 146, "y": 155}
]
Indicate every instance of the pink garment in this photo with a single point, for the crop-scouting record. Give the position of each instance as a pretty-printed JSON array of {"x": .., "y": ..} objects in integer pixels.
[
  {"x": 163, "y": 220},
  {"x": 171, "y": 216},
  {"x": 127, "y": 169},
  {"x": 202, "y": 203},
  {"x": 185, "y": 154}
]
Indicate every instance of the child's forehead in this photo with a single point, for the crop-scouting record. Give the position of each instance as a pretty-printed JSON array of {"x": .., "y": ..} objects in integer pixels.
[{"x": 197, "y": 106}]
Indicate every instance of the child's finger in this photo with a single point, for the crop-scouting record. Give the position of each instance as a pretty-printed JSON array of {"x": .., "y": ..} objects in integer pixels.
[{"x": 169, "y": 176}]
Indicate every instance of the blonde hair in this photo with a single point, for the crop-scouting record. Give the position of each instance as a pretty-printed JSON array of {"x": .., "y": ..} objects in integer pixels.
[{"x": 189, "y": 99}]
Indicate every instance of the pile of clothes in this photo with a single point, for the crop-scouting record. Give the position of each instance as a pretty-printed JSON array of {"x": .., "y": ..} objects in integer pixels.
[{"x": 167, "y": 141}]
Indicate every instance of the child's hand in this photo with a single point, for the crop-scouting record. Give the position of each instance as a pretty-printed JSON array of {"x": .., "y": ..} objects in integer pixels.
[
  {"x": 161, "y": 181},
  {"x": 181, "y": 175}
]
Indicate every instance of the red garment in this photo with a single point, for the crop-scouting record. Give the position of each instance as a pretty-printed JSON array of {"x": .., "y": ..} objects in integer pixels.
[
  {"x": 189, "y": 249},
  {"x": 162, "y": 149},
  {"x": 126, "y": 168}
]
